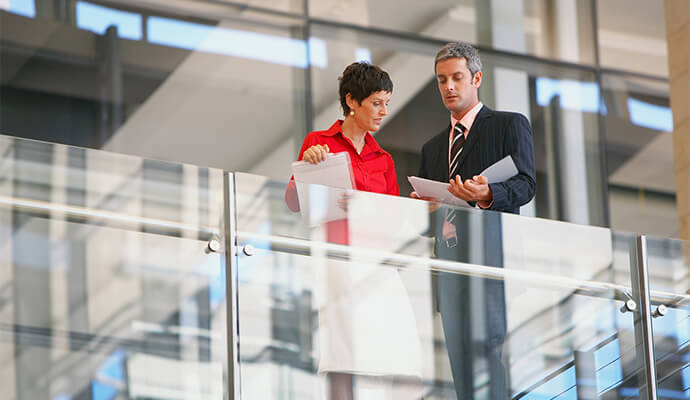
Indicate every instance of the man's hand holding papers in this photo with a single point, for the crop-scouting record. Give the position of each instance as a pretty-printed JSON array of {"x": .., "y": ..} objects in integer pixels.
[{"x": 459, "y": 193}]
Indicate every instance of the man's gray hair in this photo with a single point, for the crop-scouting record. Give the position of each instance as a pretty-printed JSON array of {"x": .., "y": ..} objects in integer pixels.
[{"x": 460, "y": 50}]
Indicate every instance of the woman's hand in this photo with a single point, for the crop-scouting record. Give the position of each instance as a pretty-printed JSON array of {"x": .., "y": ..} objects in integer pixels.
[
  {"x": 433, "y": 205},
  {"x": 344, "y": 200},
  {"x": 315, "y": 154}
]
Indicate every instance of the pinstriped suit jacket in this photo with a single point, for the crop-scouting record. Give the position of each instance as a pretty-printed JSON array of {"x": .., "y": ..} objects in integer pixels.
[{"x": 493, "y": 135}]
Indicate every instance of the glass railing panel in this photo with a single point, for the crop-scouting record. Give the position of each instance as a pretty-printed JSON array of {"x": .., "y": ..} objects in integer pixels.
[
  {"x": 114, "y": 189},
  {"x": 669, "y": 277},
  {"x": 524, "y": 307},
  {"x": 106, "y": 290}
]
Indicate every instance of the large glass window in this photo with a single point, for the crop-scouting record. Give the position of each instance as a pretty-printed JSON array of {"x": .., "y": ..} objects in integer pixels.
[
  {"x": 636, "y": 41},
  {"x": 639, "y": 155},
  {"x": 560, "y": 30},
  {"x": 206, "y": 84},
  {"x": 562, "y": 104},
  {"x": 237, "y": 85}
]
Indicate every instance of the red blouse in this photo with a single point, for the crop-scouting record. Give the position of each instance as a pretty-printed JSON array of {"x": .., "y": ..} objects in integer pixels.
[{"x": 373, "y": 168}]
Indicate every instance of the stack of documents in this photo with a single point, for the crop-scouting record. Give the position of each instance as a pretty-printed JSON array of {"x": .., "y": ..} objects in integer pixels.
[
  {"x": 498, "y": 172},
  {"x": 320, "y": 203}
]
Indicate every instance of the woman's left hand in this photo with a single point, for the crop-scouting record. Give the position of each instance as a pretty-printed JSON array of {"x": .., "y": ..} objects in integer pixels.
[
  {"x": 315, "y": 154},
  {"x": 344, "y": 200}
]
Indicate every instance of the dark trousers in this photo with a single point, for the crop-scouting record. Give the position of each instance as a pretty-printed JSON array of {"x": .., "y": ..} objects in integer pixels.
[{"x": 473, "y": 309}]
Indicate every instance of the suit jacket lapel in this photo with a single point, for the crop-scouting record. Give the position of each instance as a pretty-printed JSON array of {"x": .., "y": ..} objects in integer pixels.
[
  {"x": 472, "y": 137},
  {"x": 444, "y": 155}
]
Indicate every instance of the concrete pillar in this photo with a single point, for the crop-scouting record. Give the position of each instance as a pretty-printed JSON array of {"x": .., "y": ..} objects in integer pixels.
[
  {"x": 571, "y": 148},
  {"x": 505, "y": 89},
  {"x": 677, "y": 39}
]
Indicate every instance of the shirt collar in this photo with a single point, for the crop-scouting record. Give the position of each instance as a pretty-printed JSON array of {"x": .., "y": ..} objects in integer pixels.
[
  {"x": 335, "y": 129},
  {"x": 369, "y": 142},
  {"x": 468, "y": 119}
]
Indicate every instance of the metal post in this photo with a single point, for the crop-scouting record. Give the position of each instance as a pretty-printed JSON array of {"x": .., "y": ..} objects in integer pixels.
[
  {"x": 230, "y": 225},
  {"x": 643, "y": 324},
  {"x": 111, "y": 83},
  {"x": 586, "y": 373}
]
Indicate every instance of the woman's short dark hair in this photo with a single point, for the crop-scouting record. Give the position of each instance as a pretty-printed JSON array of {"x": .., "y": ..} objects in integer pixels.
[{"x": 361, "y": 79}]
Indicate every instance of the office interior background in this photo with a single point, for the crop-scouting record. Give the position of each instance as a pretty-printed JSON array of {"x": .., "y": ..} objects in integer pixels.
[{"x": 236, "y": 86}]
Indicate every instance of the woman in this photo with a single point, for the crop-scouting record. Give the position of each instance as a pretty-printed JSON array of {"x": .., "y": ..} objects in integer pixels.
[
  {"x": 367, "y": 332},
  {"x": 365, "y": 91}
]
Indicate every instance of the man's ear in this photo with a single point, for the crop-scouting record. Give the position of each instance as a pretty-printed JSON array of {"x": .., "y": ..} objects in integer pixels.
[{"x": 477, "y": 79}]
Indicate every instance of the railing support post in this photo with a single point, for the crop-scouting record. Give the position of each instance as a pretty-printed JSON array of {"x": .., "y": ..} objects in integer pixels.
[
  {"x": 230, "y": 230},
  {"x": 643, "y": 320}
]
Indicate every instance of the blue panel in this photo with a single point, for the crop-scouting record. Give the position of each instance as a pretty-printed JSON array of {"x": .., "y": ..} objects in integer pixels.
[
  {"x": 650, "y": 115},
  {"x": 572, "y": 95},
  {"x": 569, "y": 395},
  {"x": 607, "y": 354},
  {"x": 112, "y": 367},
  {"x": 236, "y": 43},
  {"x": 100, "y": 391},
  {"x": 557, "y": 386},
  {"x": 671, "y": 394},
  {"x": 98, "y": 18},
  {"x": 362, "y": 54},
  {"x": 608, "y": 365},
  {"x": 609, "y": 376},
  {"x": 318, "y": 53},
  {"x": 26, "y": 8},
  {"x": 629, "y": 392}
]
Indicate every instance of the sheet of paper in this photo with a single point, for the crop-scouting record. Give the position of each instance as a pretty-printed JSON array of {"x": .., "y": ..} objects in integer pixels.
[
  {"x": 498, "y": 172},
  {"x": 335, "y": 172},
  {"x": 321, "y": 186},
  {"x": 435, "y": 189},
  {"x": 501, "y": 170}
]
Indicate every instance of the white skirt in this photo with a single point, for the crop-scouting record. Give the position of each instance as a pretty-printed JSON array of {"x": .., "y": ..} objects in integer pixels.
[{"x": 366, "y": 322}]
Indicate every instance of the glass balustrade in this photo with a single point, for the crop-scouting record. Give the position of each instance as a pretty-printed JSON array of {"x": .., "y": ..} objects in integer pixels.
[
  {"x": 368, "y": 294},
  {"x": 106, "y": 290},
  {"x": 113, "y": 285},
  {"x": 669, "y": 275}
]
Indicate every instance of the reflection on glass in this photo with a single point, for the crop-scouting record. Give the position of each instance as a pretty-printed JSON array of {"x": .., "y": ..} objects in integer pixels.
[
  {"x": 554, "y": 341},
  {"x": 650, "y": 116},
  {"x": 236, "y": 43},
  {"x": 669, "y": 271},
  {"x": 562, "y": 104},
  {"x": 633, "y": 40},
  {"x": 98, "y": 19},
  {"x": 639, "y": 155},
  {"x": 106, "y": 290},
  {"x": 560, "y": 31},
  {"x": 572, "y": 95},
  {"x": 26, "y": 8}
]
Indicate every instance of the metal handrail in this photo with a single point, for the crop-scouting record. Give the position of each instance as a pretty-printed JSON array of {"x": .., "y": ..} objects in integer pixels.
[{"x": 580, "y": 286}]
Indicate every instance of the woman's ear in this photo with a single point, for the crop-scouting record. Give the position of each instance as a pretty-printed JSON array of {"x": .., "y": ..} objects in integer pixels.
[{"x": 349, "y": 101}]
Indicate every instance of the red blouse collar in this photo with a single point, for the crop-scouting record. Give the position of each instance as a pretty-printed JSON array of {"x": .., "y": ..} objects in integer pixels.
[{"x": 369, "y": 141}]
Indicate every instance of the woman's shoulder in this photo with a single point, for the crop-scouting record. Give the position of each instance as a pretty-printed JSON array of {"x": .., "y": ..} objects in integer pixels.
[
  {"x": 321, "y": 135},
  {"x": 313, "y": 135}
]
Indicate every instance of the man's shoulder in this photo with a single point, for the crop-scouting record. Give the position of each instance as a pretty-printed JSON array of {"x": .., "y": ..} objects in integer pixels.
[
  {"x": 507, "y": 115},
  {"x": 437, "y": 140}
]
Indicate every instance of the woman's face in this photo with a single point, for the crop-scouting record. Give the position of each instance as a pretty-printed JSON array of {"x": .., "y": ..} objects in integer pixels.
[{"x": 369, "y": 114}]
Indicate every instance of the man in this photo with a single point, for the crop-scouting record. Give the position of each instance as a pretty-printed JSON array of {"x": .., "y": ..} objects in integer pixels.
[{"x": 476, "y": 138}]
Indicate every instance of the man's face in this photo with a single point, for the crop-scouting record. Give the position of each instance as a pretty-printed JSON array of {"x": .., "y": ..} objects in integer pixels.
[{"x": 457, "y": 85}]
